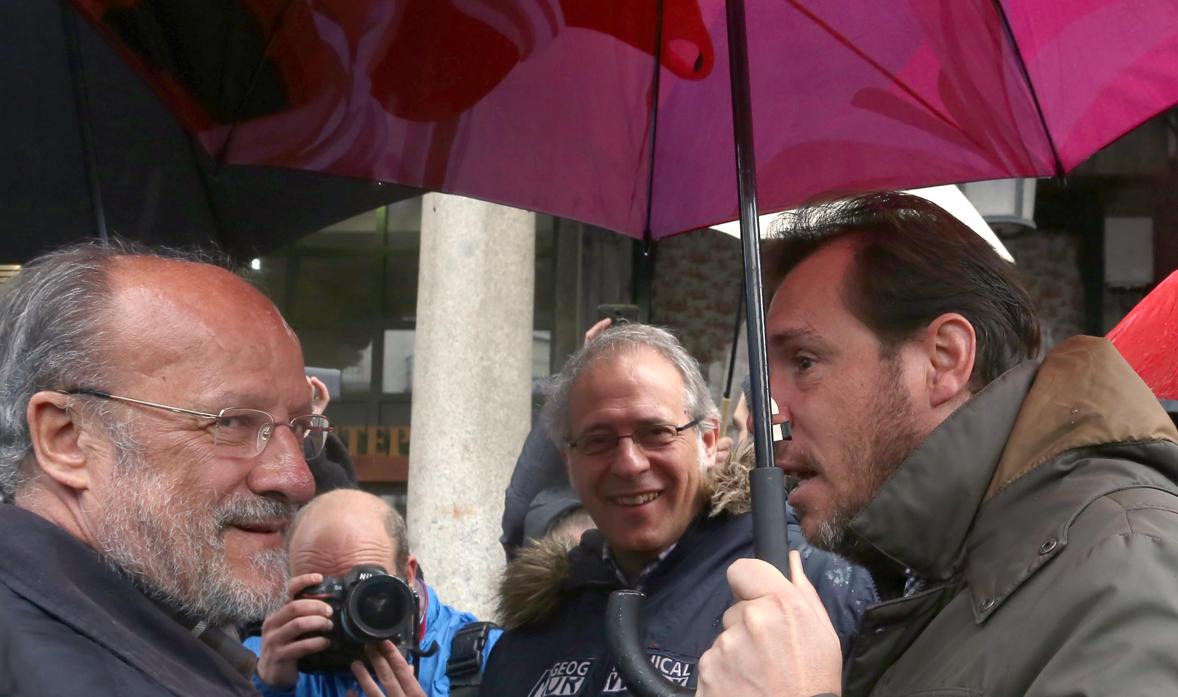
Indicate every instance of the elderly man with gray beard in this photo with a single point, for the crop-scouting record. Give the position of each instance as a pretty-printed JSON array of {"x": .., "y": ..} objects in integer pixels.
[{"x": 154, "y": 428}]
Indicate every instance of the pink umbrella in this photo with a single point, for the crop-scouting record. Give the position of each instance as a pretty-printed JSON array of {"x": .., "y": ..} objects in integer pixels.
[
  {"x": 559, "y": 105},
  {"x": 620, "y": 112}
]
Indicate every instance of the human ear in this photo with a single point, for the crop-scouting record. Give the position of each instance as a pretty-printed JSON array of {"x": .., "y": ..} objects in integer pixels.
[
  {"x": 710, "y": 437},
  {"x": 952, "y": 345},
  {"x": 58, "y": 440},
  {"x": 320, "y": 396}
]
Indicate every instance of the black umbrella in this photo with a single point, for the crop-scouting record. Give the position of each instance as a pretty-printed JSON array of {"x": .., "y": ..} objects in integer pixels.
[{"x": 89, "y": 149}]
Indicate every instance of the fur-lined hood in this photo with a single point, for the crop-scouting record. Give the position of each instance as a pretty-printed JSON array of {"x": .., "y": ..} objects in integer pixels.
[{"x": 533, "y": 584}]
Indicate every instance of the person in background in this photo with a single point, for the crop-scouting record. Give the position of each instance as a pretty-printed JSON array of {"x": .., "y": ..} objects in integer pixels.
[
  {"x": 333, "y": 467},
  {"x": 320, "y": 395},
  {"x": 331, "y": 535},
  {"x": 539, "y": 495},
  {"x": 637, "y": 430}
]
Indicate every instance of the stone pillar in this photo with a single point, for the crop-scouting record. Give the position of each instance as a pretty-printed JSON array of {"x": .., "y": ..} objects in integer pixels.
[{"x": 471, "y": 390}]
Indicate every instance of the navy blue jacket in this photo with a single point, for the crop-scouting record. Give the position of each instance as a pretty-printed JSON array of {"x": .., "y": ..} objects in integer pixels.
[{"x": 686, "y": 596}]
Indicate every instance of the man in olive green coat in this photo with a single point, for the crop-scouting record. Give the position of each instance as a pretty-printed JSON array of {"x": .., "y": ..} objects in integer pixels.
[{"x": 1020, "y": 516}]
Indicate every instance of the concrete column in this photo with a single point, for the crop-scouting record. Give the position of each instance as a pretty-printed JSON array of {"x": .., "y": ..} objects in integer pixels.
[{"x": 471, "y": 390}]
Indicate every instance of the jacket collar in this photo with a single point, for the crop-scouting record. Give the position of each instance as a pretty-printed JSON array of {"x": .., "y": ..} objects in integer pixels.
[
  {"x": 931, "y": 517},
  {"x": 1050, "y": 472},
  {"x": 917, "y": 517},
  {"x": 59, "y": 574}
]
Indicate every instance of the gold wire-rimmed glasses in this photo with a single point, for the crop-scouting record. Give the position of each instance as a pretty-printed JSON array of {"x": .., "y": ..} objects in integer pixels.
[{"x": 238, "y": 432}]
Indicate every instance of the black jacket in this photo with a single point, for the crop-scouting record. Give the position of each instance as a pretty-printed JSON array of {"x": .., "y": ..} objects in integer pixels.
[
  {"x": 539, "y": 469},
  {"x": 71, "y": 626},
  {"x": 564, "y": 652}
]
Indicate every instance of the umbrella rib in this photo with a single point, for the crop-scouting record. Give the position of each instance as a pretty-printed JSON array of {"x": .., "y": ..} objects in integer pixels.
[
  {"x": 206, "y": 188},
  {"x": 1022, "y": 65},
  {"x": 280, "y": 17},
  {"x": 82, "y": 101},
  {"x": 850, "y": 46},
  {"x": 654, "y": 124}
]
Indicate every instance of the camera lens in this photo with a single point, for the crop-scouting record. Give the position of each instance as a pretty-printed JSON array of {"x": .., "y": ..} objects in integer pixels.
[{"x": 379, "y": 606}]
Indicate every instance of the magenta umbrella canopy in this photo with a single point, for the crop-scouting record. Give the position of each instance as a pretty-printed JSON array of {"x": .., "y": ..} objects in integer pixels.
[{"x": 550, "y": 105}]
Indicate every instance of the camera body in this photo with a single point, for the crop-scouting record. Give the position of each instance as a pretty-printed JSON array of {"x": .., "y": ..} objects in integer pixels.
[{"x": 368, "y": 605}]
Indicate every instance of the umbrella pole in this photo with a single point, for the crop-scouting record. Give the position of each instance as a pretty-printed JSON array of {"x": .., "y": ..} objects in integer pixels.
[{"x": 766, "y": 480}]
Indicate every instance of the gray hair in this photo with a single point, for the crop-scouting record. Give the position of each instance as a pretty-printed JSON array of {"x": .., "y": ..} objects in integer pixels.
[
  {"x": 615, "y": 340},
  {"x": 52, "y": 337}
]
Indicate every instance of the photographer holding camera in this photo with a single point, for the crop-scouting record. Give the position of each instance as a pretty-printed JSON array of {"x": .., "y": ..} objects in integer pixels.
[{"x": 356, "y": 598}]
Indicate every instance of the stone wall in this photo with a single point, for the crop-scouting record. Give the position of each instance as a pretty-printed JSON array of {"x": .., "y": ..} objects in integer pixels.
[
  {"x": 1049, "y": 263},
  {"x": 698, "y": 279}
]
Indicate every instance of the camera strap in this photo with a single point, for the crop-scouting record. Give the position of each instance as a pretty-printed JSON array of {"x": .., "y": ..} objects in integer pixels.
[{"x": 464, "y": 667}]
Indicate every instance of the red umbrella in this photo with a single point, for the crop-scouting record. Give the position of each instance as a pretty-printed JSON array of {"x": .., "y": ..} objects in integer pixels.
[
  {"x": 1148, "y": 338},
  {"x": 619, "y": 112}
]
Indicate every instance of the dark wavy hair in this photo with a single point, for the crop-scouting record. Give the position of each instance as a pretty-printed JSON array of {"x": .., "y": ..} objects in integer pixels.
[{"x": 914, "y": 262}]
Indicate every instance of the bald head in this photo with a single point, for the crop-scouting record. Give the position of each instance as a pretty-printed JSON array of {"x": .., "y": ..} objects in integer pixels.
[
  {"x": 165, "y": 313},
  {"x": 344, "y": 528},
  {"x": 96, "y": 339},
  {"x": 215, "y": 298}
]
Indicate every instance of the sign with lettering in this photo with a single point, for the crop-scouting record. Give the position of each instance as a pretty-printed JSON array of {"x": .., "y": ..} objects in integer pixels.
[
  {"x": 563, "y": 679},
  {"x": 375, "y": 440},
  {"x": 379, "y": 453}
]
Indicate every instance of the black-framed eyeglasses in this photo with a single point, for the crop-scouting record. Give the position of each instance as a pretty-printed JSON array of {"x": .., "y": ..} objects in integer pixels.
[
  {"x": 649, "y": 438},
  {"x": 238, "y": 432}
]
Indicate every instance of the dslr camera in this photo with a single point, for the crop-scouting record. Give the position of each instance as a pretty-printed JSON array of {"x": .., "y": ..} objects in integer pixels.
[{"x": 368, "y": 605}]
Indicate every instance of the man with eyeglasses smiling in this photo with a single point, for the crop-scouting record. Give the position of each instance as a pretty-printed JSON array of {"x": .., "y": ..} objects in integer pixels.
[
  {"x": 155, "y": 423},
  {"x": 637, "y": 429}
]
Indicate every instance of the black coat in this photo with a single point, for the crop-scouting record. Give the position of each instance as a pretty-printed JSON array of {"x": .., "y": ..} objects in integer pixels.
[
  {"x": 333, "y": 468},
  {"x": 71, "y": 626},
  {"x": 539, "y": 472}
]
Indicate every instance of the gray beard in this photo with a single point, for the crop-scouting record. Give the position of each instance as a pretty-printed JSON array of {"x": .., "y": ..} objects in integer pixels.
[{"x": 167, "y": 541}]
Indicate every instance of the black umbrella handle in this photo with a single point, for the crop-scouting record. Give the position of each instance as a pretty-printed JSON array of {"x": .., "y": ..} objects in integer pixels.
[
  {"x": 770, "y": 538},
  {"x": 625, "y": 645},
  {"x": 622, "y": 633}
]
